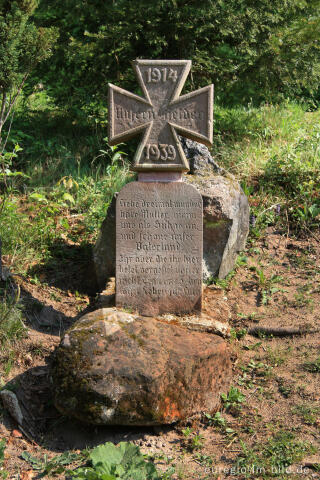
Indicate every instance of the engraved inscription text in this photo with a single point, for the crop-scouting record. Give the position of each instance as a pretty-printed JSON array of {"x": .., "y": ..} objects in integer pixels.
[{"x": 159, "y": 247}]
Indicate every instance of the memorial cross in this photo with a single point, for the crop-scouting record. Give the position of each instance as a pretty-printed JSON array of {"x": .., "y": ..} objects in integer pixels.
[
  {"x": 159, "y": 221},
  {"x": 161, "y": 114}
]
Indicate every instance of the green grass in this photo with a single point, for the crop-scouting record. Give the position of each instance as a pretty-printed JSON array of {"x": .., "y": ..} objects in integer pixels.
[
  {"x": 11, "y": 323},
  {"x": 313, "y": 366},
  {"x": 249, "y": 140},
  {"x": 273, "y": 458},
  {"x": 3, "y": 473},
  {"x": 12, "y": 327},
  {"x": 309, "y": 413},
  {"x": 275, "y": 152}
]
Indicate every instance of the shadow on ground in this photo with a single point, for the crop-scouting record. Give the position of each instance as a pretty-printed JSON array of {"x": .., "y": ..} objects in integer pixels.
[{"x": 69, "y": 268}]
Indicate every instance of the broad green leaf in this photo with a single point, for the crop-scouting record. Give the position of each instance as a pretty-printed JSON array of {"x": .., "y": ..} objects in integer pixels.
[
  {"x": 68, "y": 198},
  {"x": 38, "y": 197},
  {"x": 107, "y": 454}
]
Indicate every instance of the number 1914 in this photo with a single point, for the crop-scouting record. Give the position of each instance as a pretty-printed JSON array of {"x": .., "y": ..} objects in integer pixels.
[{"x": 155, "y": 75}]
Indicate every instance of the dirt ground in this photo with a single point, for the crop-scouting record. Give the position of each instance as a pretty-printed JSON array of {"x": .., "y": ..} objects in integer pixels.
[{"x": 277, "y": 285}]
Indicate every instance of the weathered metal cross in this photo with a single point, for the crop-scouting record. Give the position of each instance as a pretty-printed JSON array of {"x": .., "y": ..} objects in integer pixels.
[{"x": 161, "y": 114}]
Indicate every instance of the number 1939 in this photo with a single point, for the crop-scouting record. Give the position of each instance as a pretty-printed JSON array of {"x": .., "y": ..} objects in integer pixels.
[{"x": 160, "y": 152}]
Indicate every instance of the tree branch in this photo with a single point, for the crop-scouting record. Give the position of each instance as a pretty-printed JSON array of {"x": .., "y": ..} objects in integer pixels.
[
  {"x": 7, "y": 137},
  {"x": 281, "y": 331},
  {"x": 3, "y": 106},
  {"x": 13, "y": 101}
]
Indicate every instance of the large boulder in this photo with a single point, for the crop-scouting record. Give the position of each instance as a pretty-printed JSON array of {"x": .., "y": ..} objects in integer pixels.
[
  {"x": 114, "y": 368},
  {"x": 225, "y": 210},
  {"x": 225, "y": 218},
  {"x": 225, "y": 222}
]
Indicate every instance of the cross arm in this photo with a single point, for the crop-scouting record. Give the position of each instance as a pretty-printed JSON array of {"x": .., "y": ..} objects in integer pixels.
[
  {"x": 191, "y": 115},
  {"x": 129, "y": 114}
]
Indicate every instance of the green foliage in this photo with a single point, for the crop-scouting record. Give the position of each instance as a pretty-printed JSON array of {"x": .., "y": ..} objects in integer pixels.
[
  {"x": 218, "y": 420},
  {"x": 28, "y": 241},
  {"x": 22, "y": 47},
  {"x": 238, "y": 334},
  {"x": 274, "y": 150},
  {"x": 6, "y": 161},
  {"x": 308, "y": 413},
  {"x": 257, "y": 369},
  {"x": 110, "y": 462},
  {"x": 11, "y": 323},
  {"x": 55, "y": 466},
  {"x": 257, "y": 51},
  {"x": 192, "y": 440},
  {"x": 3, "y": 473},
  {"x": 283, "y": 449},
  {"x": 7, "y": 174},
  {"x": 267, "y": 285},
  {"x": 313, "y": 366},
  {"x": 233, "y": 400},
  {"x": 270, "y": 459}
]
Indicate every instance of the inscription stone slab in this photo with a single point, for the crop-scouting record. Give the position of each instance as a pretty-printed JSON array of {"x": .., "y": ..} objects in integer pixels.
[
  {"x": 159, "y": 247},
  {"x": 160, "y": 114}
]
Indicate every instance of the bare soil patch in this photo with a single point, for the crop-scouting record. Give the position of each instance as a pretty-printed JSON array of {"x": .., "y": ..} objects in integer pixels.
[{"x": 278, "y": 286}]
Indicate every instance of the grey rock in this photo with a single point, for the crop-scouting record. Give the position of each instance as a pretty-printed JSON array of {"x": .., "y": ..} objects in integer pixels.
[
  {"x": 11, "y": 404},
  {"x": 200, "y": 159},
  {"x": 225, "y": 210},
  {"x": 4, "y": 272},
  {"x": 225, "y": 222}
]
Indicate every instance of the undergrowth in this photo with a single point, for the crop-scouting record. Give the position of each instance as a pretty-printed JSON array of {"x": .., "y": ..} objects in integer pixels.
[
  {"x": 11, "y": 318},
  {"x": 12, "y": 327},
  {"x": 273, "y": 458},
  {"x": 275, "y": 152}
]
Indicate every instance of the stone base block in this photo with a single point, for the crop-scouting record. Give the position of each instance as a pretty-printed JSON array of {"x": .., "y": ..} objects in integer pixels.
[{"x": 114, "y": 368}]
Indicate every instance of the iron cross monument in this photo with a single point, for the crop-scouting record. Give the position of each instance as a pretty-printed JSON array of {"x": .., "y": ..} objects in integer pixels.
[
  {"x": 160, "y": 114},
  {"x": 159, "y": 218}
]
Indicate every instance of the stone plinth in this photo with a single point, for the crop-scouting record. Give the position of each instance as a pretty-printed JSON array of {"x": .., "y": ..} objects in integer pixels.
[
  {"x": 159, "y": 248},
  {"x": 114, "y": 368}
]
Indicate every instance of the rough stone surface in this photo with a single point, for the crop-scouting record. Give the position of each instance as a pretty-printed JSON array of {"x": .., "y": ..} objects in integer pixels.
[
  {"x": 214, "y": 318},
  {"x": 225, "y": 222},
  {"x": 225, "y": 210},
  {"x": 226, "y": 218},
  {"x": 11, "y": 404},
  {"x": 114, "y": 368},
  {"x": 200, "y": 159},
  {"x": 159, "y": 248},
  {"x": 200, "y": 323}
]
